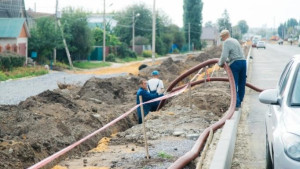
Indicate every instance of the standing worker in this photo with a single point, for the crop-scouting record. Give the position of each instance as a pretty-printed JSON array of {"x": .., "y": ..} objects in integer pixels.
[
  {"x": 146, "y": 96},
  {"x": 155, "y": 85},
  {"x": 233, "y": 54}
]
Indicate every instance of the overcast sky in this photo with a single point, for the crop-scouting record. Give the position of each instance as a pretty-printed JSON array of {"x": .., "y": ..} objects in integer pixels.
[{"x": 257, "y": 13}]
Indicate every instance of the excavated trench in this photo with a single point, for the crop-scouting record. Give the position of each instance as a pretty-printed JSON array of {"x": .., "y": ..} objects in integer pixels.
[{"x": 44, "y": 124}]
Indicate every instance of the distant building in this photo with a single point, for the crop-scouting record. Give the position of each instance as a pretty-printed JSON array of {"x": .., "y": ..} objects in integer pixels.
[
  {"x": 33, "y": 15},
  {"x": 96, "y": 20},
  {"x": 210, "y": 35},
  {"x": 14, "y": 35}
]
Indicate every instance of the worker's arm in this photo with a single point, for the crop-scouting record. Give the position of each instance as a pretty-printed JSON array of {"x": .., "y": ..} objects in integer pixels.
[{"x": 224, "y": 55}]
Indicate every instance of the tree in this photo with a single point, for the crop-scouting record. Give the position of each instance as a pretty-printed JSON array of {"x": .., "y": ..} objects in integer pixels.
[
  {"x": 209, "y": 24},
  {"x": 192, "y": 19},
  {"x": 281, "y": 30},
  {"x": 242, "y": 24},
  {"x": 77, "y": 33},
  {"x": 236, "y": 32},
  {"x": 44, "y": 38},
  {"x": 291, "y": 23},
  {"x": 111, "y": 40},
  {"x": 143, "y": 23},
  {"x": 224, "y": 22}
]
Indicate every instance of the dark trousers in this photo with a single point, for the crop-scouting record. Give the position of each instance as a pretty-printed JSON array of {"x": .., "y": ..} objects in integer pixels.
[
  {"x": 239, "y": 69},
  {"x": 147, "y": 108}
]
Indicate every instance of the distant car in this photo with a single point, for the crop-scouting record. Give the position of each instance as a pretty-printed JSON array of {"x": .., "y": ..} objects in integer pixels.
[
  {"x": 280, "y": 42},
  {"x": 261, "y": 44},
  {"x": 282, "y": 119},
  {"x": 254, "y": 43}
]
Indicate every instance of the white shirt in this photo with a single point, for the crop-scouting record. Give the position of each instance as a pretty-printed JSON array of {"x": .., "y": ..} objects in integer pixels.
[{"x": 155, "y": 84}]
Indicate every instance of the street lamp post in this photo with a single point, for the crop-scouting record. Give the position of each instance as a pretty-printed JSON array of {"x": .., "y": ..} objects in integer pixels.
[
  {"x": 133, "y": 29},
  {"x": 153, "y": 33}
]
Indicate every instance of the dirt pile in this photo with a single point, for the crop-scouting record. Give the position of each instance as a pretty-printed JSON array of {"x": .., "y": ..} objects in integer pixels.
[
  {"x": 52, "y": 120},
  {"x": 169, "y": 69}
]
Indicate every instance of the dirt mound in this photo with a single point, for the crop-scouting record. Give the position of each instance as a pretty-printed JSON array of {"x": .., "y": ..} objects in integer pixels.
[
  {"x": 169, "y": 70},
  {"x": 111, "y": 91},
  {"x": 25, "y": 139}
]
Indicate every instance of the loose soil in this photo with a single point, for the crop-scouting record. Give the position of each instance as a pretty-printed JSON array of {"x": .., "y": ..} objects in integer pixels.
[{"x": 46, "y": 123}]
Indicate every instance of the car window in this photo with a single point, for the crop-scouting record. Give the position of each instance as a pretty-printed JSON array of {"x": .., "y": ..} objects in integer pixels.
[
  {"x": 284, "y": 77},
  {"x": 295, "y": 99}
]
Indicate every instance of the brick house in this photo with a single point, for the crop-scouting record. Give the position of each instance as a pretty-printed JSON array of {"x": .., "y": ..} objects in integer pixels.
[{"x": 14, "y": 35}]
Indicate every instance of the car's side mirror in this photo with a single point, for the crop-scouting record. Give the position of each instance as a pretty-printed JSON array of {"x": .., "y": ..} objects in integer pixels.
[{"x": 269, "y": 96}]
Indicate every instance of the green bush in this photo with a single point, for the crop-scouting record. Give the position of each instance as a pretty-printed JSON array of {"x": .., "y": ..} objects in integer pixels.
[
  {"x": 147, "y": 53},
  {"x": 10, "y": 60},
  {"x": 6, "y": 62},
  {"x": 2, "y": 76},
  {"x": 176, "y": 51},
  {"x": 111, "y": 57},
  {"x": 123, "y": 52}
]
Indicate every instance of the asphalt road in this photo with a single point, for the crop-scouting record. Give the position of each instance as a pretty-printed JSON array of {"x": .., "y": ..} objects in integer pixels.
[
  {"x": 267, "y": 65},
  {"x": 15, "y": 91}
]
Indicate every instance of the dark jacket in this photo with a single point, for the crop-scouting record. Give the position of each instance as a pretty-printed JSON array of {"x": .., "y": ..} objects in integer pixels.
[{"x": 146, "y": 96}]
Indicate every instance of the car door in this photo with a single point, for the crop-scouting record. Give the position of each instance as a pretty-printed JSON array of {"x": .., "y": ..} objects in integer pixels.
[{"x": 274, "y": 113}]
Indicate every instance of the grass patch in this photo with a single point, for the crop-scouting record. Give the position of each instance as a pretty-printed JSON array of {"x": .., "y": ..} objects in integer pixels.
[
  {"x": 22, "y": 72},
  {"x": 129, "y": 59},
  {"x": 164, "y": 155},
  {"x": 90, "y": 65}
]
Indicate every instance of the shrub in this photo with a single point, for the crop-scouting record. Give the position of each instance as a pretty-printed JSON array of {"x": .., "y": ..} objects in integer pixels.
[
  {"x": 2, "y": 76},
  {"x": 123, "y": 52},
  {"x": 9, "y": 60},
  {"x": 147, "y": 53},
  {"x": 176, "y": 51},
  {"x": 111, "y": 57}
]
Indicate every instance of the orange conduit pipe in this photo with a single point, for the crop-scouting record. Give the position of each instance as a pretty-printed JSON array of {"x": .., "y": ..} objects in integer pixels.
[
  {"x": 220, "y": 79},
  {"x": 194, "y": 152}
]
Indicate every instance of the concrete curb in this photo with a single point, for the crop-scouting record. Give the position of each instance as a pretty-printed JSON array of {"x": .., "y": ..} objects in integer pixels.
[{"x": 224, "y": 152}]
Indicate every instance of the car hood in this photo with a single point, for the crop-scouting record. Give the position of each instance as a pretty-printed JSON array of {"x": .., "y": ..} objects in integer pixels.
[{"x": 292, "y": 120}]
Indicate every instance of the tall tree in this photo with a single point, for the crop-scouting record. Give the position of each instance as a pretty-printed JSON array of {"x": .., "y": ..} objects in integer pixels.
[
  {"x": 192, "y": 19},
  {"x": 77, "y": 33},
  {"x": 291, "y": 23},
  {"x": 281, "y": 30},
  {"x": 243, "y": 26},
  {"x": 43, "y": 39},
  {"x": 224, "y": 22},
  {"x": 143, "y": 22}
]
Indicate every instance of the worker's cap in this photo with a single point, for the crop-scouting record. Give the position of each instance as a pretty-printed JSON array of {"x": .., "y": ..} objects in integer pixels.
[
  {"x": 155, "y": 72},
  {"x": 224, "y": 32}
]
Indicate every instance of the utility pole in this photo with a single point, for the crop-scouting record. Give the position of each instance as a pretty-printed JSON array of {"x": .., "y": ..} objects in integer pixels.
[
  {"x": 189, "y": 36},
  {"x": 104, "y": 31},
  {"x": 54, "y": 50},
  {"x": 153, "y": 33},
  {"x": 133, "y": 48},
  {"x": 65, "y": 44}
]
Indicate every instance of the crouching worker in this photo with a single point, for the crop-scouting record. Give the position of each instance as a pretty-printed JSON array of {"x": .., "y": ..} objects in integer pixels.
[{"x": 146, "y": 96}]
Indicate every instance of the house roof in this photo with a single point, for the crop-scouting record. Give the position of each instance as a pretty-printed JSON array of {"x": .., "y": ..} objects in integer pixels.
[
  {"x": 11, "y": 27},
  {"x": 12, "y": 8},
  {"x": 209, "y": 33}
]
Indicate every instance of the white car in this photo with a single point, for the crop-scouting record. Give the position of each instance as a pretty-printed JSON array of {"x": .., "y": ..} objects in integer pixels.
[
  {"x": 283, "y": 119},
  {"x": 261, "y": 44}
]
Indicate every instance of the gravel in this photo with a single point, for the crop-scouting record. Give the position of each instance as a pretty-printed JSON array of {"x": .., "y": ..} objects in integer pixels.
[{"x": 14, "y": 91}]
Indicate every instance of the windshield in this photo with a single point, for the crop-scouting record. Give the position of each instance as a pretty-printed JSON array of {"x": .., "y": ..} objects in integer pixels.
[{"x": 295, "y": 101}]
